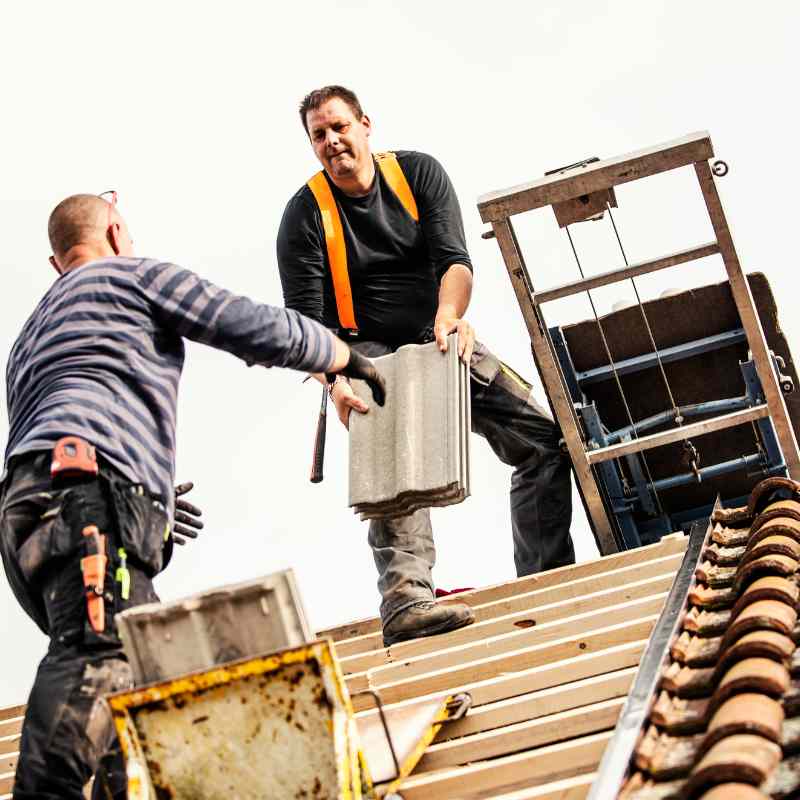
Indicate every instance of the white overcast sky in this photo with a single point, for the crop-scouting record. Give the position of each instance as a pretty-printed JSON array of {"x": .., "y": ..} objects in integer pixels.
[{"x": 188, "y": 110}]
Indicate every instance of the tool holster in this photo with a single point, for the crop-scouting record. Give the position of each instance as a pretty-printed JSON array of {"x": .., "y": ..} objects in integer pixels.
[{"x": 74, "y": 462}]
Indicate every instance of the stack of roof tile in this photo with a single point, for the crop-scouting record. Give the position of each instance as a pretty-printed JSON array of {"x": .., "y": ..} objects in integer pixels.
[
  {"x": 726, "y": 722},
  {"x": 414, "y": 451}
]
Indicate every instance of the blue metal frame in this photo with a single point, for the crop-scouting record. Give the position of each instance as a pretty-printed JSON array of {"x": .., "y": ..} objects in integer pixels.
[
  {"x": 677, "y": 353},
  {"x": 632, "y": 502}
]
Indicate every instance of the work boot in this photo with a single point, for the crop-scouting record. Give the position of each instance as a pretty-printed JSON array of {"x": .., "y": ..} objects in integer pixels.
[{"x": 426, "y": 618}]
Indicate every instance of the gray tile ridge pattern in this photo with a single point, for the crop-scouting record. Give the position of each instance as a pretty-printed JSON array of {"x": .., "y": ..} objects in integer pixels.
[{"x": 414, "y": 452}]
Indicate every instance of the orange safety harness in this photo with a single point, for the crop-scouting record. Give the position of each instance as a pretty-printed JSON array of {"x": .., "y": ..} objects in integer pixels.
[{"x": 334, "y": 235}]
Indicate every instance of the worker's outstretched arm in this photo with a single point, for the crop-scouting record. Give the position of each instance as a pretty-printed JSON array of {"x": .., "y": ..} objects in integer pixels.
[
  {"x": 255, "y": 332},
  {"x": 455, "y": 292}
]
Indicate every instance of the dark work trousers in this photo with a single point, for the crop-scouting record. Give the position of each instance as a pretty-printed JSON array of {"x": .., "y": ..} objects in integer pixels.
[
  {"x": 68, "y": 728},
  {"x": 522, "y": 435}
]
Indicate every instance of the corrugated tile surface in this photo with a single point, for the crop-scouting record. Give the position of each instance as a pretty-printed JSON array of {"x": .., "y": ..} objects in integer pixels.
[
  {"x": 414, "y": 451},
  {"x": 726, "y": 719}
]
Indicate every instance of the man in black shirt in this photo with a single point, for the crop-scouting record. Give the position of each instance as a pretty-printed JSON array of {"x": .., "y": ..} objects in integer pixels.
[{"x": 407, "y": 278}]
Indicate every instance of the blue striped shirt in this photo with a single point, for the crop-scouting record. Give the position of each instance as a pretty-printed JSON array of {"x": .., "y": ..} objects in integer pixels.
[{"x": 102, "y": 354}]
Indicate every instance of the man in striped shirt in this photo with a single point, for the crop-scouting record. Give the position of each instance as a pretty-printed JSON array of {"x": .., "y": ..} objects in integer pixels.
[{"x": 100, "y": 358}]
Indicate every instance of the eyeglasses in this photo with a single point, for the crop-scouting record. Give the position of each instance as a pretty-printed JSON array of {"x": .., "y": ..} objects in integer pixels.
[{"x": 112, "y": 203}]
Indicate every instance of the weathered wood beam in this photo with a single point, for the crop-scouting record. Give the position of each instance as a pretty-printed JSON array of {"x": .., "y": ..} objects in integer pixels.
[
  {"x": 604, "y": 174},
  {"x": 617, "y": 275}
]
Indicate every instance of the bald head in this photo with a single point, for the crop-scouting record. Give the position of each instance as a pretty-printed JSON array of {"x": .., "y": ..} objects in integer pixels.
[
  {"x": 80, "y": 219},
  {"x": 85, "y": 227}
]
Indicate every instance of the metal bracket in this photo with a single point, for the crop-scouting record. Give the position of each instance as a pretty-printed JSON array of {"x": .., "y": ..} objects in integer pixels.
[{"x": 379, "y": 703}]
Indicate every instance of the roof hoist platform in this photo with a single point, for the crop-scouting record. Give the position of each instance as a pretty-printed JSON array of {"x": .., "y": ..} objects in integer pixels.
[{"x": 668, "y": 403}]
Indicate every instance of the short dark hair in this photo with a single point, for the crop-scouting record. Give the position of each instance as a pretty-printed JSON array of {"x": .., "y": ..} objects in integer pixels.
[{"x": 313, "y": 100}]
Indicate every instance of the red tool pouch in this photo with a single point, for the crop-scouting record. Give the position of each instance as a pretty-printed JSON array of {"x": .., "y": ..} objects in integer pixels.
[{"x": 73, "y": 457}]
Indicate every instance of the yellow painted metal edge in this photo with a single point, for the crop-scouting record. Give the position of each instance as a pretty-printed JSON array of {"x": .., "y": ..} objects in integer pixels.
[
  {"x": 407, "y": 767},
  {"x": 354, "y": 778}
]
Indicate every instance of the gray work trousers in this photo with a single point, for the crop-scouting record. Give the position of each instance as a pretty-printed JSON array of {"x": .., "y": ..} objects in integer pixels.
[{"x": 522, "y": 435}]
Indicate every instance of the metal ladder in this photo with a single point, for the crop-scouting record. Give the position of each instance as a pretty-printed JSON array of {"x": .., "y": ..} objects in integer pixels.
[{"x": 579, "y": 192}]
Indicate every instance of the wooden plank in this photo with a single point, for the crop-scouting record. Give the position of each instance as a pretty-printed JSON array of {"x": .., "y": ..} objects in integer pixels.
[
  {"x": 10, "y": 727},
  {"x": 10, "y": 712},
  {"x": 669, "y": 545},
  {"x": 538, "y": 766},
  {"x": 549, "y": 677},
  {"x": 537, "y": 656},
  {"x": 617, "y": 275},
  {"x": 677, "y": 434},
  {"x": 6, "y": 782},
  {"x": 574, "y": 590},
  {"x": 8, "y": 762},
  {"x": 569, "y": 789},
  {"x": 521, "y": 736},
  {"x": 743, "y": 298},
  {"x": 499, "y": 205},
  {"x": 510, "y": 623},
  {"x": 9, "y": 744},
  {"x": 533, "y": 705},
  {"x": 563, "y": 629}
]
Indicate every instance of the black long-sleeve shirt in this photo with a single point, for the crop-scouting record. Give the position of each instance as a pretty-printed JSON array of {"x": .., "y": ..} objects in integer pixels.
[{"x": 395, "y": 263}]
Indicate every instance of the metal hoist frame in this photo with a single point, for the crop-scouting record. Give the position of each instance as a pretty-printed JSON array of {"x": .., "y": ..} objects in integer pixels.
[{"x": 575, "y": 193}]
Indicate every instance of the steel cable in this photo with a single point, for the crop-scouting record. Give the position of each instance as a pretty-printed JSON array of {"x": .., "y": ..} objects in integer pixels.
[{"x": 614, "y": 371}]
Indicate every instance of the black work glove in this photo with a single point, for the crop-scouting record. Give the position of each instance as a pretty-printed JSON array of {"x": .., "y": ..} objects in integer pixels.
[
  {"x": 187, "y": 522},
  {"x": 362, "y": 368}
]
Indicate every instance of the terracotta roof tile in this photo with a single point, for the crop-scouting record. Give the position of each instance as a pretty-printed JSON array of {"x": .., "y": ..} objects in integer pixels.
[
  {"x": 769, "y": 587},
  {"x": 742, "y": 758},
  {"x": 746, "y": 713},
  {"x": 726, "y": 722},
  {"x": 733, "y": 791},
  {"x": 769, "y": 615}
]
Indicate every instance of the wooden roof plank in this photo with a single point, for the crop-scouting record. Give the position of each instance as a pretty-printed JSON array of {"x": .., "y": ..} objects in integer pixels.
[
  {"x": 565, "y": 628},
  {"x": 544, "y": 702},
  {"x": 526, "y": 735},
  {"x": 537, "y": 679},
  {"x": 570, "y": 789},
  {"x": 569, "y": 594},
  {"x": 10, "y": 712},
  {"x": 669, "y": 545},
  {"x": 548, "y": 655},
  {"x": 11, "y": 727},
  {"x": 538, "y": 766}
]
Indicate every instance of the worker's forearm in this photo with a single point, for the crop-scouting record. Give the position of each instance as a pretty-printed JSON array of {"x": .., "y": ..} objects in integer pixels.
[
  {"x": 455, "y": 291},
  {"x": 341, "y": 356}
]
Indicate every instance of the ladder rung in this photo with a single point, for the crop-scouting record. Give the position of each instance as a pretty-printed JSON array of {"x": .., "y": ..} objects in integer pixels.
[
  {"x": 677, "y": 434},
  {"x": 617, "y": 275}
]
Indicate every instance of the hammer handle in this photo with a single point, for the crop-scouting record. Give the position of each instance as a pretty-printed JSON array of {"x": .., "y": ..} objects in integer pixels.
[{"x": 319, "y": 441}]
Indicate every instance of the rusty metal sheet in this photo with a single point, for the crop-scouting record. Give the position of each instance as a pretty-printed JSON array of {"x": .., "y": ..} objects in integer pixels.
[{"x": 278, "y": 726}]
